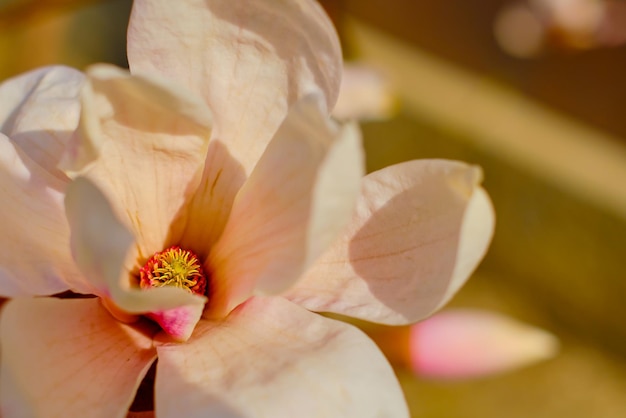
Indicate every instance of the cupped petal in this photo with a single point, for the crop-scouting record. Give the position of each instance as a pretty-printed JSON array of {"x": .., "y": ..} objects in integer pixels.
[
  {"x": 471, "y": 343},
  {"x": 39, "y": 112},
  {"x": 143, "y": 142},
  {"x": 420, "y": 230},
  {"x": 103, "y": 250},
  {"x": 34, "y": 233},
  {"x": 295, "y": 203},
  {"x": 270, "y": 358},
  {"x": 251, "y": 60},
  {"x": 69, "y": 357}
]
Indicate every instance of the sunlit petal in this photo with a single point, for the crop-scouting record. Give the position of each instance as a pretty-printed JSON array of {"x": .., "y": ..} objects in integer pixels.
[
  {"x": 250, "y": 60},
  {"x": 39, "y": 111},
  {"x": 420, "y": 230},
  {"x": 272, "y": 358},
  {"x": 34, "y": 234},
  {"x": 69, "y": 358},
  {"x": 293, "y": 206},
  {"x": 143, "y": 143}
]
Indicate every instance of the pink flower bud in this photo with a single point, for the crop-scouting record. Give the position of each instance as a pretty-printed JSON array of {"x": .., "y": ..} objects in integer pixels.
[{"x": 468, "y": 343}]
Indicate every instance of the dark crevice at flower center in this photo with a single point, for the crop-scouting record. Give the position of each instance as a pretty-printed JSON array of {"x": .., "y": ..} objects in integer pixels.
[
  {"x": 174, "y": 267},
  {"x": 68, "y": 294},
  {"x": 144, "y": 398}
]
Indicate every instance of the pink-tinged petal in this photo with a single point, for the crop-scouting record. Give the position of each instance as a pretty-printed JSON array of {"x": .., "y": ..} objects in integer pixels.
[
  {"x": 295, "y": 203},
  {"x": 179, "y": 322},
  {"x": 69, "y": 358},
  {"x": 39, "y": 112},
  {"x": 420, "y": 230},
  {"x": 102, "y": 248},
  {"x": 365, "y": 94},
  {"x": 143, "y": 142},
  {"x": 466, "y": 343},
  {"x": 34, "y": 234},
  {"x": 251, "y": 60},
  {"x": 270, "y": 358}
]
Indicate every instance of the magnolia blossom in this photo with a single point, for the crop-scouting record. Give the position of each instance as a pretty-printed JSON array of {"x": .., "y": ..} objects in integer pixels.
[{"x": 205, "y": 206}]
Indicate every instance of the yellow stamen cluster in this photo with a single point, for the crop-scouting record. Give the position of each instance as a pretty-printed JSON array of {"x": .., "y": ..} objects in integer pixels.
[{"x": 173, "y": 267}]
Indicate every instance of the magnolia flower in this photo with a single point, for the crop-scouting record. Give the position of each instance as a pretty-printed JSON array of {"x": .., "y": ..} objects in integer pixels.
[
  {"x": 465, "y": 344},
  {"x": 208, "y": 191}
]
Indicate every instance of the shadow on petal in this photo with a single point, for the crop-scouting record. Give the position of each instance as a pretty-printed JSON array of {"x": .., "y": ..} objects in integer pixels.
[
  {"x": 200, "y": 222},
  {"x": 34, "y": 232},
  {"x": 408, "y": 249},
  {"x": 279, "y": 23},
  {"x": 196, "y": 400},
  {"x": 38, "y": 150}
]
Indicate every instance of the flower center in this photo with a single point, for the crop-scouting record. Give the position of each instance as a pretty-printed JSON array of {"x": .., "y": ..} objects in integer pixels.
[{"x": 174, "y": 267}]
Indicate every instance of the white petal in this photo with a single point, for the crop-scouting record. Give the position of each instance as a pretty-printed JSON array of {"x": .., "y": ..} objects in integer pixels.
[
  {"x": 70, "y": 358},
  {"x": 420, "y": 230},
  {"x": 270, "y": 358},
  {"x": 295, "y": 203},
  {"x": 251, "y": 60},
  {"x": 39, "y": 112},
  {"x": 34, "y": 234},
  {"x": 143, "y": 142}
]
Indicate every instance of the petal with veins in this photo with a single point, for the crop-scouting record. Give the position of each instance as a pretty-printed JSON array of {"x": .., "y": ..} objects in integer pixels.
[
  {"x": 34, "y": 234},
  {"x": 296, "y": 201},
  {"x": 251, "y": 60},
  {"x": 143, "y": 142},
  {"x": 69, "y": 357},
  {"x": 101, "y": 247},
  {"x": 272, "y": 358},
  {"x": 39, "y": 112},
  {"x": 420, "y": 230}
]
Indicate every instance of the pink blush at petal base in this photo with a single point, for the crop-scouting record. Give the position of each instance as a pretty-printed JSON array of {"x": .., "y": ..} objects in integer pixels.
[{"x": 179, "y": 322}]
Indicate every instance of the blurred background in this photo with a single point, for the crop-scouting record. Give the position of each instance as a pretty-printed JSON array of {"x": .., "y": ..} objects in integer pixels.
[{"x": 534, "y": 91}]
